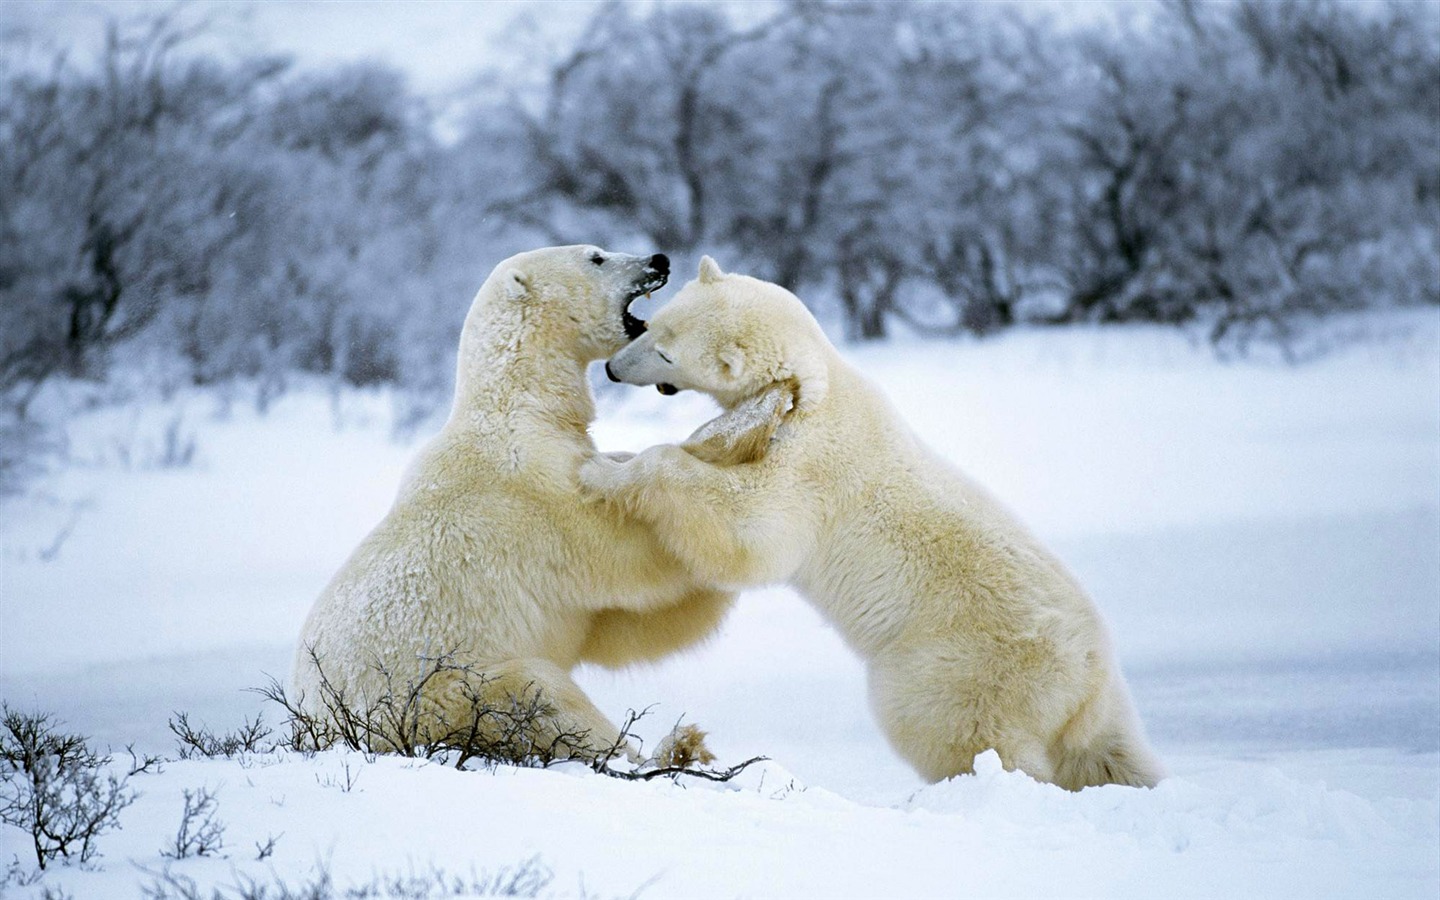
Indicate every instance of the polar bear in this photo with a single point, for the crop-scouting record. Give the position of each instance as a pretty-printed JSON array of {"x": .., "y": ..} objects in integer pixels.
[
  {"x": 974, "y": 636},
  {"x": 488, "y": 552}
]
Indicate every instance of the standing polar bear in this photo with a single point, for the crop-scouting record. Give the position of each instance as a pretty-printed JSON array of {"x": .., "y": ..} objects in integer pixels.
[
  {"x": 974, "y": 636},
  {"x": 489, "y": 552}
]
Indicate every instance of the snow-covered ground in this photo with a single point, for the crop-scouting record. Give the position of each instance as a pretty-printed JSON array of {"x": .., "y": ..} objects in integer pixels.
[{"x": 1264, "y": 541}]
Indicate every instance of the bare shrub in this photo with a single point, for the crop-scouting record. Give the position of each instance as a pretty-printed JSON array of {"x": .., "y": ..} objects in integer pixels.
[
  {"x": 177, "y": 445},
  {"x": 200, "y": 833},
  {"x": 682, "y": 753},
  {"x": 56, "y": 788},
  {"x": 528, "y": 878},
  {"x": 400, "y": 720},
  {"x": 143, "y": 762},
  {"x": 26, "y": 446},
  {"x": 19, "y": 875},
  {"x": 265, "y": 850},
  {"x": 201, "y": 742},
  {"x": 345, "y": 783},
  {"x": 494, "y": 727}
]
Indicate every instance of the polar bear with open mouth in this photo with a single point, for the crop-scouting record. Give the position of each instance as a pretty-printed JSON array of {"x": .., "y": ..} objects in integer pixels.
[{"x": 488, "y": 552}]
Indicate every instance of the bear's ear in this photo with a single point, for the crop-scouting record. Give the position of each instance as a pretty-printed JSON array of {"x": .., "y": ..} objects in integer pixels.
[
  {"x": 732, "y": 360},
  {"x": 709, "y": 270},
  {"x": 515, "y": 284}
]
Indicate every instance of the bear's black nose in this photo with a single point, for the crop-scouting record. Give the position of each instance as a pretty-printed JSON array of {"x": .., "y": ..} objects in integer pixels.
[
  {"x": 610, "y": 373},
  {"x": 660, "y": 263}
]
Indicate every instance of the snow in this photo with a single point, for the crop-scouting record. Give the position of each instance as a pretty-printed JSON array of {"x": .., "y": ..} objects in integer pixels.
[{"x": 1264, "y": 541}]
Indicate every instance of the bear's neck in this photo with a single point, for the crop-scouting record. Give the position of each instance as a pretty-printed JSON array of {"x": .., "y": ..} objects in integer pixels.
[{"x": 515, "y": 387}]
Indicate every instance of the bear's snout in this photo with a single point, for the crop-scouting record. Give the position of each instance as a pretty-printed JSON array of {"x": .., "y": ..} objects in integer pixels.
[
  {"x": 660, "y": 263},
  {"x": 610, "y": 373}
]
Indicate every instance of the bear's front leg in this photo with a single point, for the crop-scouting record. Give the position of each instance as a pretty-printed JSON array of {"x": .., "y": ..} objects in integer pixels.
[
  {"x": 604, "y": 477},
  {"x": 719, "y": 521},
  {"x": 743, "y": 434}
]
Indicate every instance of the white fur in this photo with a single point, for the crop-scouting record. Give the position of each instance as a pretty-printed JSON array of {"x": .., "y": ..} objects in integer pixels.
[
  {"x": 975, "y": 637},
  {"x": 488, "y": 551}
]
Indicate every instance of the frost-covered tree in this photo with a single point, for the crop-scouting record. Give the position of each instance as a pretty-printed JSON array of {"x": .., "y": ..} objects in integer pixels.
[
  {"x": 916, "y": 170},
  {"x": 943, "y": 167},
  {"x": 1256, "y": 161},
  {"x": 645, "y": 119},
  {"x": 228, "y": 219},
  {"x": 107, "y": 212},
  {"x": 950, "y": 167}
]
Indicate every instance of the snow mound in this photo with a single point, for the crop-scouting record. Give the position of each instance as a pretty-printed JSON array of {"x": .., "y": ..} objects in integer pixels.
[
  {"x": 991, "y": 834},
  {"x": 1258, "y": 806}
]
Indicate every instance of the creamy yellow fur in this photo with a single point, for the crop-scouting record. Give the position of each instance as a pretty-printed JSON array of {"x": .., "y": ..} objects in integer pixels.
[
  {"x": 975, "y": 637},
  {"x": 488, "y": 550}
]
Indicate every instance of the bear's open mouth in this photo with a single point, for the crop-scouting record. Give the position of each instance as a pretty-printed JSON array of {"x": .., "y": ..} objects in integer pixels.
[
  {"x": 633, "y": 324},
  {"x": 667, "y": 389}
]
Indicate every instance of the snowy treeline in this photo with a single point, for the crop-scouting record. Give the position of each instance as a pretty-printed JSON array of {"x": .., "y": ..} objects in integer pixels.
[{"x": 943, "y": 167}]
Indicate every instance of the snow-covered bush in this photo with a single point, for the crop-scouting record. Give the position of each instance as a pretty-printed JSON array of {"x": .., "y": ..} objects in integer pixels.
[{"x": 56, "y": 788}]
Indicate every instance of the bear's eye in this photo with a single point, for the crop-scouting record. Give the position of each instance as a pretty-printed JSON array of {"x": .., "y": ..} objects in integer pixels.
[
  {"x": 663, "y": 356},
  {"x": 598, "y": 260}
]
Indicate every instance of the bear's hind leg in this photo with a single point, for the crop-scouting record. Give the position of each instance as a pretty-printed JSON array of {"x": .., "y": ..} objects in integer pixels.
[
  {"x": 930, "y": 725},
  {"x": 1117, "y": 758},
  {"x": 1104, "y": 743},
  {"x": 938, "y": 721}
]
